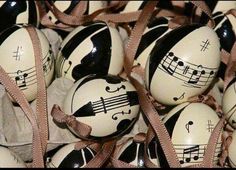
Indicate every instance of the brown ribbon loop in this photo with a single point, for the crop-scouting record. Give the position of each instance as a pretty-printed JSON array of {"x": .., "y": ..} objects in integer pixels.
[
  {"x": 178, "y": 21},
  {"x": 203, "y": 6},
  {"x": 103, "y": 155},
  {"x": 80, "y": 128},
  {"x": 225, "y": 149}
]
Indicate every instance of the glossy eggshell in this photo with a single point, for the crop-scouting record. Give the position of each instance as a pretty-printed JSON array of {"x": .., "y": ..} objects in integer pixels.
[
  {"x": 68, "y": 6},
  {"x": 95, "y": 48},
  {"x": 18, "y": 12},
  {"x": 69, "y": 157},
  {"x": 229, "y": 103},
  {"x": 155, "y": 30},
  {"x": 18, "y": 60},
  {"x": 232, "y": 151},
  {"x": 224, "y": 6},
  {"x": 9, "y": 159},
  {"x": 132, "y": 153},
  {"x": 190, "y": 126},
  {"x": 106, "y": 103},
  {"x": 182, "y": 64}
]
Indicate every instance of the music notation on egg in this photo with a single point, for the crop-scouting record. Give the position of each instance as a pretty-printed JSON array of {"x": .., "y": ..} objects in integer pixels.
[
  {"x": 26, "y": 78},
  {"x": 195, "y": 76},
  {"x": 194, "y": 153}
]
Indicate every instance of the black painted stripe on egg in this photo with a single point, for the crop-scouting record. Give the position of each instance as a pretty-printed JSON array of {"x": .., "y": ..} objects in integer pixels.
[
  {"x": 149, "y": 38},
  {"x": 164, "y": 44},
  {"x": 9, "y": 12},
  {"x": 32, "y": 13},
  {"x": 6, "y": 33},
  {"x": 76, "y": 159},
  {"x": 129, "y": 154},
  {"x": 96, "y": 61},
  {"x": 80, "y": 37}
]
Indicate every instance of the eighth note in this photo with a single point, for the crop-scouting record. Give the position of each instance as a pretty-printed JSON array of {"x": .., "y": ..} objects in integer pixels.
[
  {"x": 70, "y": 63},
  {"x": 187, "y": 125},
  {"x": 179, "y": 98}
]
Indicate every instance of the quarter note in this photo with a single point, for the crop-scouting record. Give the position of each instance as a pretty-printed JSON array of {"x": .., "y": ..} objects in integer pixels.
[{"x": 20, "y": 79}]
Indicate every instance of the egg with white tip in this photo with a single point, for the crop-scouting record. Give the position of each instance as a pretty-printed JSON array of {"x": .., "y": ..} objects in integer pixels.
[
  {"x": 108, "y": 104},
  {"x": 183, "y": 64},
  {"x": 18, "y": 59},
  {"x": 96, "y": 48}
]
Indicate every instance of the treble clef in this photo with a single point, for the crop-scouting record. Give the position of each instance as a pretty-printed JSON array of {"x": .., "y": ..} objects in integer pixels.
[{"x": 108, "y": 89}]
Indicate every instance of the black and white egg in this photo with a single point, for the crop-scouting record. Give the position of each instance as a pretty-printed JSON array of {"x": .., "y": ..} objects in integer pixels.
[
  {"x": 232, "y": 151},
  {"x": 190, "y": 126},
  {"x": 108, "y": 104},
  {"x": 68, "y": 6},
  {"x": 18, "y": 12},
  {"x": 132, "y": 152},
  {"x": 96, "y": 48},
  {"x": 156, "y": 29},
  {"x": 9, "y": 159},
  {"x": 18, "y": 60},
  {"x": 229, "y": 103},
  {"x": 182, "y": 64},
  {"x": 70, "y": 157},
  {"x": 217, "y": 5}
]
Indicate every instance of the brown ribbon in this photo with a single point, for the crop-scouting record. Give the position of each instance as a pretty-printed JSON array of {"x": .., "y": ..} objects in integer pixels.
[{"x": 81, "y": 129}]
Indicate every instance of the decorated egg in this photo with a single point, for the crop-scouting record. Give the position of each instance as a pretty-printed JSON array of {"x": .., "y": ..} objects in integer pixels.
[
  {"x": 93, "y": 49},
  {"x": 70, "y": 157},
  {"x": 155, "y": 30},
  {"x": 182, "y": 64},
  {"x": 108, "y": 104},
  {"x": 231, "y": 151},
  {"x": 68, "y": 6},
  {"x": 9, "y": 159},
  {"x": 226, "y": 34},
  {"x": 18, "y": 12},
  {"x": 229, "y": 103},
  {"x": 190, "y": 126},
  {"x": 217, "y": 5},
  {"x": 18, "y": 60}
]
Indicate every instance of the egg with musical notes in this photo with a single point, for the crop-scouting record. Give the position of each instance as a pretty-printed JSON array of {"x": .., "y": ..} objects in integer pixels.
[
  {"x": 190, "y": 126},
  {"x": 182, "y": 64},
  {"x": 108, "y": 104},
  {"x": 231, "y": 151},
  {"x": 9, "y": 159},
  {"x": 229, "y": 103},
  {"x": 18, "y": 59},
  {"x": 96, "y": 48},
  {"x": 155, "y": 29},
  {"x": 217, "y": 5},
  {"x": 18, "y": 12},
  {"x": 70, "y": 156}
]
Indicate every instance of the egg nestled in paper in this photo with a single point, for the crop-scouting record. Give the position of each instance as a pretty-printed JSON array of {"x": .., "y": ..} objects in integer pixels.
[
  {"x": 108, "y": 104},
  {"x": 18, "y": 59},
  {"x": 182, "y": 64},
  {"x": 96, "y": 48}
]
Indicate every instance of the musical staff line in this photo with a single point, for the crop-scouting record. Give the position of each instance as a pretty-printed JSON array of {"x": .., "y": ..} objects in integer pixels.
[{"x": 195, "y": 76}]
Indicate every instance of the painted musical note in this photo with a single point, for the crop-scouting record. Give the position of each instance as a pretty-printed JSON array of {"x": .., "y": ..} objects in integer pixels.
[
  {"x": 18, "y": 53},
  {"x": 189, "y": 154},
  {"x": 172, "y": 65},
  {"x": 20, "y": 79},
  {"x": 70, "y": 64},
  {"x": 210, "y": 75},
  {"x": 210, "y": 126},
  {"x": 47, "y": 65},
  {"x": 205, "y": 45},
  {"x": 179, "y": 98},
  {"x": 188, "y": 125},
  {"x": 195, "y": 77}
]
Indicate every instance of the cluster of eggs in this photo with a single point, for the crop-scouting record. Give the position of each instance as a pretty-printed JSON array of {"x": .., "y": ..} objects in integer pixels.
[{"x": 179, "y": 63}]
